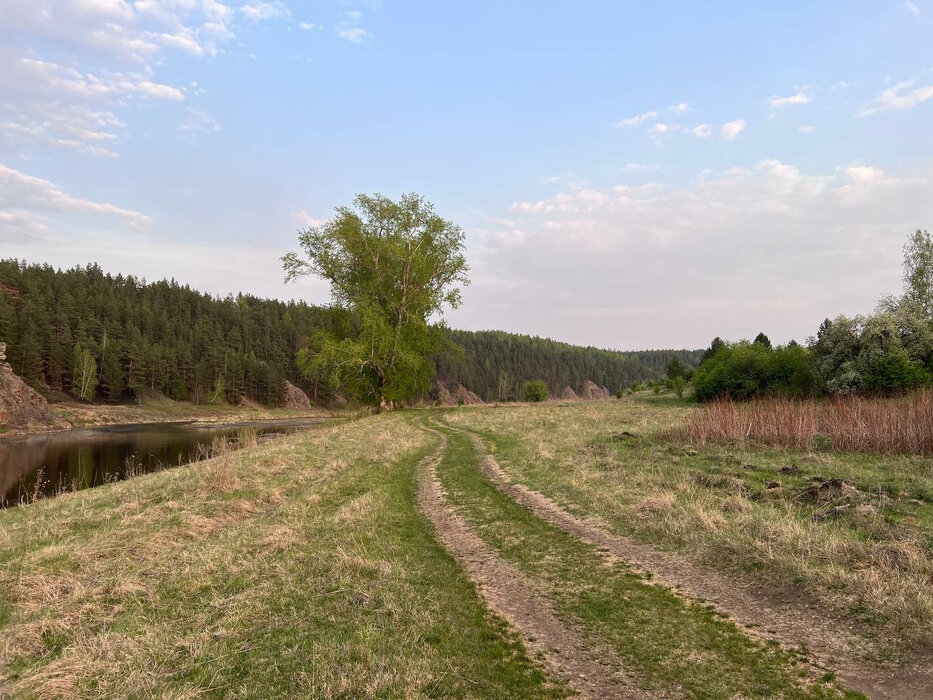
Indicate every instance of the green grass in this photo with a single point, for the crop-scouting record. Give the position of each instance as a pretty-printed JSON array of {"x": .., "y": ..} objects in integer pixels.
[
  {"x": 668, "y": 643},
  {"x": 300, "y": 568},
  {"x": 872, "y": 560}
]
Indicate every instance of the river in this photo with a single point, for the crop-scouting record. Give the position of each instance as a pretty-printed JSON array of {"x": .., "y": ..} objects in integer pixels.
[{"x": 51, "y": 463}]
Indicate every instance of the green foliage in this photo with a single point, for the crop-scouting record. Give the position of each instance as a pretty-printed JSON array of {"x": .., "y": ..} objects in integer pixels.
[
  {"x": 84, "y": 383},
  {"x": 918, "y": 271},
  {"x": 496, "y": 364},
  {"x": 676, "y": 368},
  {"x": 885, "y": 353},
  {"x": 158, "y": 337},
  {"x": 678, "y": 385},
  {"x": 393, "y": 265},
  {"x": 535, "y": 390},
  {"x": 747, "y": 370}
]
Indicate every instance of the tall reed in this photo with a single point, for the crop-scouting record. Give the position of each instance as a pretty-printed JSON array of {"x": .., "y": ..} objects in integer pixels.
[{"x": 897, "y": 425}]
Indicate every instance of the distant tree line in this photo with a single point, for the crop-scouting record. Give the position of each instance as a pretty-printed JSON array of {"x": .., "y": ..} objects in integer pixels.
[
  {"x": 887, "y": 352},
  {"x": 113, "y": 338},
  {"x": 495, "y": 364},
  {"x": 101, "y": 337}
]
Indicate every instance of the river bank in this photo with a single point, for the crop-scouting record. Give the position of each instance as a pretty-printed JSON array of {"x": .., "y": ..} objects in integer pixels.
[{"x": 71, "y": 415}]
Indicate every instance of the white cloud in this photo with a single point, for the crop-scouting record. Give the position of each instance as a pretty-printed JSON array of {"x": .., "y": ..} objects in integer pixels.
[
  {"x": 662, "y": 128},
  {"x": 864, "y": 174},
  {"x": 70, "y": 127},
  {"x": 767, "y": 244},
  {"x": 198, "y": 121},
  {"x": 259, "y": 10},
  {"x": 680, "y": 107},
  {"x": 730, "y": 130},
  {"x": 306, "y": 220},
  {"x": 912, "y": 7},
  {"x": 637, "y": 119},
  {"x": 806, "y": 129},
  {"x": 638, "y": 167},
  {"x": 895, "y": 98},
  {"x": 308, "y": 26},
  {"x": 128, "y": 42},
  {"x": 355, "y": 35},
  {"x": 30, "y": 200},
  {"x": 703, "y": 131},
  {"x": 798, "y": 98}
]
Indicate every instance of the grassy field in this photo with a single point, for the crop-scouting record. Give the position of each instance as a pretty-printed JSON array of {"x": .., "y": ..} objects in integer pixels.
[
  {"x": 853, "y": 530},
  {"x": 300, "y": 568},
  {"x": 309, "y": 567}
]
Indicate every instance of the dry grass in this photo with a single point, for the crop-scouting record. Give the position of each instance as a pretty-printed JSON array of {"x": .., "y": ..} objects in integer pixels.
[
  {"x": 900, "y": 425},
  {"x": 294, "y": 568},
  {"x": 854, "y": 530}
]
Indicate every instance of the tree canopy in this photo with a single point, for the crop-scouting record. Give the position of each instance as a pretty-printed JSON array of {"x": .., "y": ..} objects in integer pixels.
[{"x": 394, "y": 265}]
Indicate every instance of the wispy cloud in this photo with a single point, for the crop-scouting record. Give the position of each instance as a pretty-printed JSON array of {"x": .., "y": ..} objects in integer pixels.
[
  {"x": 730, "y": 130},
  {"x": 198, "y": 121},
  {"x": 356, "y": 35},
  {"x": 801, "y": 97},
  {"x": 637, "y": 119},
  {"x": 680, "y": 107},
  {"x": 912, "y": 7},
  {"x": 899, "y": 98},
  {"x": 259, "y": 10},
  {"x": 350, "y": 30},
  {"x": 703, "y": 131},
  {"x": 806, "y": 129},
  {"x": 31, "y": 199},
  {"x": 662, "y": 128}
]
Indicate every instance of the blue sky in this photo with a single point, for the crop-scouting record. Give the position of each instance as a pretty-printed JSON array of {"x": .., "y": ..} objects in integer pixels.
[{"x": 628, "y": 174}]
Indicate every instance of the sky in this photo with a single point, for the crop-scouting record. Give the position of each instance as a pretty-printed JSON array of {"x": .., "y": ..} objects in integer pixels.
[{"x": 628, "y": 174}]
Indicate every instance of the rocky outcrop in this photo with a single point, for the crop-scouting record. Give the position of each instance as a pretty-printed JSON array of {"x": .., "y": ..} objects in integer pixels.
[
  {"x": 20, "y": 405},
  {"x": 460, "y": 395},
  {"x": 295, "y": 398},
  {"x": 568, "y": 394},
  {"x": 465, "y": 396},
  {"x": 594, "y": 392}
]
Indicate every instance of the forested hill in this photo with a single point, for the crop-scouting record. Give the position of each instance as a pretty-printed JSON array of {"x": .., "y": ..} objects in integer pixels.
[
  {"x": 112, "y": 338},
  {"x": 495, "y": 364}
]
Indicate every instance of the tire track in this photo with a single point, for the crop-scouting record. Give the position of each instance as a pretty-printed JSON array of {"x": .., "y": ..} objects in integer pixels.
[
  {"x": 791, "y": 620},
  {"x": 585, "y": 668}
]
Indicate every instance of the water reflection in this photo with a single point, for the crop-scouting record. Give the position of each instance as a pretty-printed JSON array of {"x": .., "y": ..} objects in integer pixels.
[{"x": 46, "y": 465}]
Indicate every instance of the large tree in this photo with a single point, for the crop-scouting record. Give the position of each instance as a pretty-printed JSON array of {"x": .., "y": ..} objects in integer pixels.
[
  {"x": 918, "y": 271},
  {"x": 394, "y": 265}
]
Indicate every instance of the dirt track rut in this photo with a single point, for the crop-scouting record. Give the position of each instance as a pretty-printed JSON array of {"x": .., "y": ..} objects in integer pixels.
[
  {"x": 791, "y": 620},
  {"x": 588, "y": 670}
]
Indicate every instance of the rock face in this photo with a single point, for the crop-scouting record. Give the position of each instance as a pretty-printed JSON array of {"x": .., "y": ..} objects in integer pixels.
[
  {"x": 593, "y": 392},
  {"x": 295, "y": 398},
  {"x": 20, "y": 405},
  {"x": 460, "y": 395},
  {"x": 568, "y": 394}
]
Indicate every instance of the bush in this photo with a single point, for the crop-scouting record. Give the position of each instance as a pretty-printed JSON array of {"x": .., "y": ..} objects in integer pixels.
[
  {"x": 746, "y": 370},
  {"x": 677, "y": 385},
  {"x": 536, "y": 390}
]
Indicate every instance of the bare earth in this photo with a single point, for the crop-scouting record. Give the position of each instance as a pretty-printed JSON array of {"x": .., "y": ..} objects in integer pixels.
[
  {"x": 790, "y": 619},
  {"x": 592, "y": 672}
]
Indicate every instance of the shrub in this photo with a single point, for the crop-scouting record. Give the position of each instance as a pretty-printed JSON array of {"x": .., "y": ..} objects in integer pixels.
[
  {"x": 746, "y": 370},
  {"x": 677, "y": 385},
  {"x": 536, "y": 390}
]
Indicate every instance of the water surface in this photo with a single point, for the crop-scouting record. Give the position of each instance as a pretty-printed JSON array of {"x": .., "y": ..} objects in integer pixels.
[{"x": 52, "y": 463}]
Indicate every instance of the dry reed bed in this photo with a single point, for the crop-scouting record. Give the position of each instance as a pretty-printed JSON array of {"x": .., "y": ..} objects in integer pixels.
[{"x": 899, "y": 425}]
